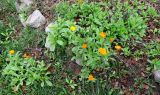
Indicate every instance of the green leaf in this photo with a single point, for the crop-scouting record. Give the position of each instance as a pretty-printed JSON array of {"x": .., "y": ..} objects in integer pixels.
[
  {"x": 72, "y": 86},
  {"x": 42, "y": 84},
  {"x": 28, "y": 83},
  {"x": 60, "y": 42},
  {"x": 48, "y": 83}
]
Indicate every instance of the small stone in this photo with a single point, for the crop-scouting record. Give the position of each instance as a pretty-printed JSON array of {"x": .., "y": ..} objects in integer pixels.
[
  {"x": 78, "y": 61},
  {"x": 157, "y": 75},
  {"x": 27, "y": 2},
  {"x": 36, "y": 19}
]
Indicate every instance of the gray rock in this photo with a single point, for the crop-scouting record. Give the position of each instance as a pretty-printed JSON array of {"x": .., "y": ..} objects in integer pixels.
[
  {"x": 157, "y": 75},
  {"x": 36, "y": 19},
  {"x": 23, "y": 5}
]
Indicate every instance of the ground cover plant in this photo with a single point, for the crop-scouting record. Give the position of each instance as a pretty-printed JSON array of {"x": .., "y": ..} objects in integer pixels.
[
  {"x": 24, "y": 71},
  {"x": 92, "y": 34},
  {"x": 90, "y": 47}
]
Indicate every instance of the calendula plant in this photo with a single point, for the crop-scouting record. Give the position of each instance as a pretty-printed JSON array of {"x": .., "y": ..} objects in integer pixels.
[
  {"x": 88, "y": 30},
  {"x": 24, "y": 71},
  {"x": 85, "y": 37}
]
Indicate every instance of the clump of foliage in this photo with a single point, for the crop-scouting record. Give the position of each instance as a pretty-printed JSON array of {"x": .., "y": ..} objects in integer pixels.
[
  {"x": 95, "y": 35},
  {"x": 4, "y": 36},
  {"x": 156, "y": 63},
  {"x": 28, "y": 38},
  {"x": 90, "y": 32},
  {"x": 7, "y": 5},
  {"x": 24, "y": 71}
]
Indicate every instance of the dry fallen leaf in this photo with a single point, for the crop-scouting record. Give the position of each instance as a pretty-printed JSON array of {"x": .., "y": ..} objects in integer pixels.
[
  {"x": 145, "y": 86},
  {"x": 14, "y": 89}
]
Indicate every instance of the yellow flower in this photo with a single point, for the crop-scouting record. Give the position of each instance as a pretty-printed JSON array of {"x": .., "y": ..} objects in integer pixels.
[
  {"x": 90, "y": 77},
  {"x": 26, "y": 55},
  {"x": 111, "y": 40},
  {"x": 102, "y": 51},
  {"x": 11, "y": 52},
  {"x": 102, "y": 34},
  {"x": 72, "y": 28},
  {"x": 118, "y": 47},
  {"x": 84, "y": 46}
]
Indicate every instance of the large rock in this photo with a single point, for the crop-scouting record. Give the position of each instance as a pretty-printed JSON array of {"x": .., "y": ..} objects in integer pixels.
[
  {"x": 23, "y": 7},
  {"x": 36, "y": 19},
  {"x": 157, "y": 75}
]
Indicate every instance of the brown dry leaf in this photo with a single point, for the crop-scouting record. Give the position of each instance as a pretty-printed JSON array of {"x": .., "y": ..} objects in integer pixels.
[
  {"x": 23, "y": 88},
  {"x": 14, "y": 89},
  {"x": 77, "y": 71},
  {"x": 127, "y": 92},
  {"x": 135, "y": 86},
  {"x": 142, "y": 74},
  {"x": 158, "y": 40},
  {"x": 50, "y": 69},
  {"x": 145, "y": 86}
]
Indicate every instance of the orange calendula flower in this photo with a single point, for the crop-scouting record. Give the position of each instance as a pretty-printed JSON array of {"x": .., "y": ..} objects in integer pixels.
[
  {"x": 90, "y": 77},
  {"x": 26, "y": 55},
  {"x": 84, "y": 46},
  {"x": 111, "y": 40},
  {"x": 102, "y": 34},
  {"x": 102, "y": 51},
  {"x": 118, "y": 47},
  {"x": 11, "y": 52},
  {"x": 72, "y": 28}
]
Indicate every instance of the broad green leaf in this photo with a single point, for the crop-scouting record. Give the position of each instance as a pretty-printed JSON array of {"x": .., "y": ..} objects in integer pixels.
[
  {"x": 48, "y": 83},
  {"x": 60, "y": 42}
]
